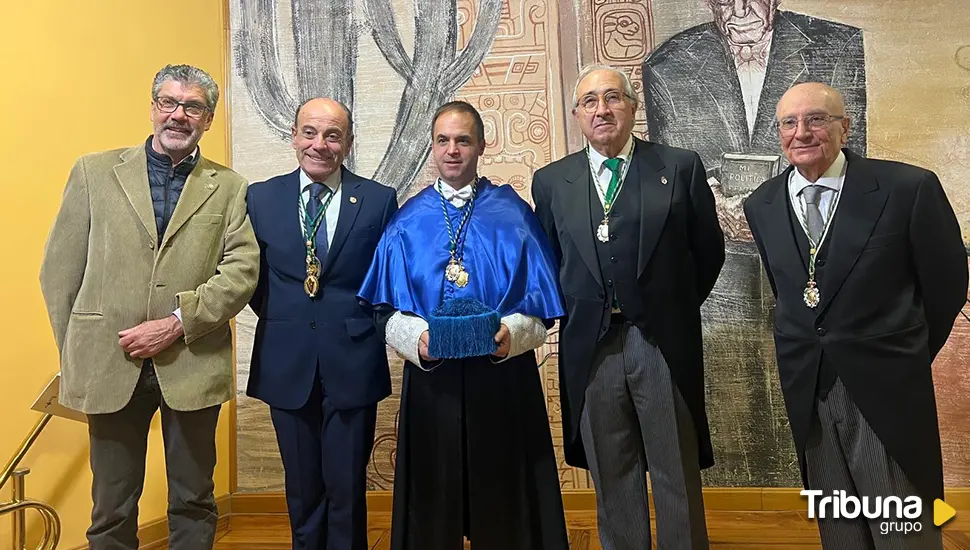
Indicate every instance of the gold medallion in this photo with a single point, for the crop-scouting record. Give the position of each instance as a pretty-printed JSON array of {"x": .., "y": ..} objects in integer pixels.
[
  {"x": 462, "y": 277},
  {"x": 452, "y": 271},
  {"x": 811, "y": 295},
  {"x": 311, "y": 285}
]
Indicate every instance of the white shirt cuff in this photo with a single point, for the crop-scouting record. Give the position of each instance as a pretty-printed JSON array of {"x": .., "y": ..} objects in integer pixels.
[
  {"x": 178, "y": 314},
  {"x": 527, "y": 333},
  {"x": 403, "y": 332}
]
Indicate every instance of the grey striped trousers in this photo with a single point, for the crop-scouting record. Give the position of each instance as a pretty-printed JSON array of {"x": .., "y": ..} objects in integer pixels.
[
  {"x": 635, "y": 415},
  {"x": 844, "y": 454}
]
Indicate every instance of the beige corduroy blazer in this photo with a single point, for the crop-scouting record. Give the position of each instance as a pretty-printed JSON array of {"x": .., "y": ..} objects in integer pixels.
[{"x": 104, "y": 270}]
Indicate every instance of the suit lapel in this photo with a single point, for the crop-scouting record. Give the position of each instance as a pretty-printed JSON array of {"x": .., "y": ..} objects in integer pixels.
[
  {"x": 785, "y": 68},
  {"x": 199, "y": 186},
  {"x": 726, "y": 93},
  {"x": 286, "y": 221},
  {"x": 656, "y": 189},
  {"x": 779, "y": 234},
  {"x": 577, "y": 204},
  {"x": 856, "y": 215},
  {"x": 350, "y": 202},
  {"x": 132, "y": 174}
]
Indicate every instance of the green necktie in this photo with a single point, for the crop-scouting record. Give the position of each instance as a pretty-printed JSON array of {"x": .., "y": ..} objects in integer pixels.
[{"x": 614, "y": 166}]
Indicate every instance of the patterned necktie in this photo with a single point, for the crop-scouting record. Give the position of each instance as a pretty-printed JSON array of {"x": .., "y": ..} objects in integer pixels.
[
  {"x": 614, "y": 166},
  {"x": 812, "y": 213},
  {"x": 317, "y": 192}
]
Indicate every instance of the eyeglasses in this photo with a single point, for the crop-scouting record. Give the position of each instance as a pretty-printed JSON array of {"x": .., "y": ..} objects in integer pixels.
[
  {"x": 815, "y": 122},
  {"x": 590, "y": 103},
  {"x": 169, "y": 105}
]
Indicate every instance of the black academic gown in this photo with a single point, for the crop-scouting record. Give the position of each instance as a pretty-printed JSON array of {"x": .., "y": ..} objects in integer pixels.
[{"x": 475, "y": 458}]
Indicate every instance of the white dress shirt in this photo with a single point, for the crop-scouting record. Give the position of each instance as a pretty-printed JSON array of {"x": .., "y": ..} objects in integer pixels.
[
  {"x": 602, "y": 174},
  {"x": 333, "y": 209},
  {"x": 831, "y": 182},
  {"x": 751, "y": 63}
]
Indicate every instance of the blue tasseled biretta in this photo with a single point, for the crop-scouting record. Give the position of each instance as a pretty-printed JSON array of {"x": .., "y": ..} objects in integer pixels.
[{"x": 462, "y": 327}]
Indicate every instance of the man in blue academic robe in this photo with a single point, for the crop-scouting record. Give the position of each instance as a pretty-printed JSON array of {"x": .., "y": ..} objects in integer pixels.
[{"x": 475, "y": 455}]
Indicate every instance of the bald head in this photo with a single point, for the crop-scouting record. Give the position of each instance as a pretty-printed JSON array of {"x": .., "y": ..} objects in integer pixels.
[
  {"x": 812, "y": 127},
  {"x": 328, "y": 104},
  {"x": 814, "y": 92}
]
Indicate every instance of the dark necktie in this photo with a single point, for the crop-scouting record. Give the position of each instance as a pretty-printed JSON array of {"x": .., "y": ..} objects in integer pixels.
[{"x": 317, "y": 193}]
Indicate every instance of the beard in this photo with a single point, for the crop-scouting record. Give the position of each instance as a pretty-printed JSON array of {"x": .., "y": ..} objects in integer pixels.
[{"x": 182, "y": 139}]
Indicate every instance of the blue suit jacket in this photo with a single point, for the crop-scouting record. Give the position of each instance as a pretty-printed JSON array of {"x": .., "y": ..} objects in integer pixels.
[{"x": 294, "y": 332}]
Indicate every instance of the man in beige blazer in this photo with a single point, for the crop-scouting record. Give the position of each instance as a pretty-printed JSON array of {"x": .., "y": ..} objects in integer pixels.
[{"x": 149, "y": 257}]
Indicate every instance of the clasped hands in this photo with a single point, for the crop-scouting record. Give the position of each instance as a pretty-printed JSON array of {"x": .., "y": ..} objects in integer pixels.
[
  {"x": 150, "y": 338},
  {"x": 503, "y": 338}
]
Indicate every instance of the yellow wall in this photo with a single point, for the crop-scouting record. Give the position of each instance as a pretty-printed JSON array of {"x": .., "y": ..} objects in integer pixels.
[{"x": 76, "y": 78}]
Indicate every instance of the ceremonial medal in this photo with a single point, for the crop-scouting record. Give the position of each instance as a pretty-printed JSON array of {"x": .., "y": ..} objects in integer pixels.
[
  {"x": 312, "y": 282},
  {"x": 455, "y": 270},
  {"x": 452, "y": 271},
  {"x": 603, "y": 231},
  {"x": 609, "y": 194},
  {"x": 309, "y": 228},
  {"x": 811, "y": 295}
]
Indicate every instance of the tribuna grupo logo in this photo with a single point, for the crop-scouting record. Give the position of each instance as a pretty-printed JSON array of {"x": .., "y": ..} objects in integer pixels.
[{"x": 899, "y": 514}]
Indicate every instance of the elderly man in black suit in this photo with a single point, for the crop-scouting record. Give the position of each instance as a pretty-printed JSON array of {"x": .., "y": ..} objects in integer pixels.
[
  {"x": 868, "y": 267},
  {"x": 634, "y": 229}
]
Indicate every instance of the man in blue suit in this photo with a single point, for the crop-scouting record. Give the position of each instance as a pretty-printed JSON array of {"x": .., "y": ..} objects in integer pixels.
[{"x": 319, "y": 359}]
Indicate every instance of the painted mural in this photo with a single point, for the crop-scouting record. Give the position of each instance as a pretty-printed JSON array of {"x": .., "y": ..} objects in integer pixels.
[{"x": 708, "y": 73}]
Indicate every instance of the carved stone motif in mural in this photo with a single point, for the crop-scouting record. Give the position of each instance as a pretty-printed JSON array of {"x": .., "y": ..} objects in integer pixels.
[
  {"x": 623, "y": 31},
  {"x": 622, "y": 37},
  {"x": 511, "y": 169}
]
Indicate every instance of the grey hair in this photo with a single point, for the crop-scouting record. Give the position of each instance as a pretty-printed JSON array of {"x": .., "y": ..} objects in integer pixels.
[
  {"x": 187, "y": 74},
  {"x": 347, "y": 111},
  {"x": 627, "y": 85}
]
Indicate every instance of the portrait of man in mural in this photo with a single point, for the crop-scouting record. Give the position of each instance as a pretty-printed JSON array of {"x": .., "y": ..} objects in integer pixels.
[{"x": 712, "y": 87}]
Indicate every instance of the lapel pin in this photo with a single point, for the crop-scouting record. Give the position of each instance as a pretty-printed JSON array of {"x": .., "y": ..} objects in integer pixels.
[
  {"x": 211, "y": 186},
  {"x": 663, "y": 180},
  {"x": 353, "y": 200}
]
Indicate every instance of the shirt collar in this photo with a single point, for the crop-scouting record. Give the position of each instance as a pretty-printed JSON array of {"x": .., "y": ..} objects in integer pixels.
[
  {"x": 191, "y": 158},
  {"x": 165, "y": 159},
  {"x": 449, "y": 193},
  {"x": 831, "y": 179},
  {"x": 332, "y": 181},
  {"x": 597, "y": 159}
]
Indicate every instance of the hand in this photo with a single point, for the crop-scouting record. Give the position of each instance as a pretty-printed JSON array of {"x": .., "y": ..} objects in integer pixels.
[
  {"x": 423, "y": 346},
  {"x": 504, "y": 340},
  {"x": 730, "y": 212},
  {"x": 151, "y": 337}
]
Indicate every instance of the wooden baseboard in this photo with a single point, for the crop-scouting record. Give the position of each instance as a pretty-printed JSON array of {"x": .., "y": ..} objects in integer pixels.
[
  {"x": 737, "y": 499},
  {"x": 154, "y": 534}
]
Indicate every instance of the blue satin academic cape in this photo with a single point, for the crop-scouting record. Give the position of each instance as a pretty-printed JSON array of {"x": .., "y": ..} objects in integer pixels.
[{"x": 510, "y": 263}]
